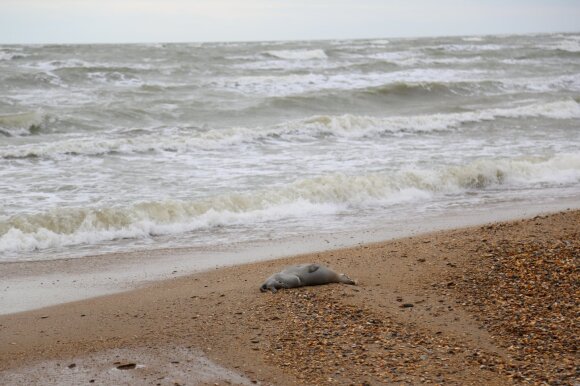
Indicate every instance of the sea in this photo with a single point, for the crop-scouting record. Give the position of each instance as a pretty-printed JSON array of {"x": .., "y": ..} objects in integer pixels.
[{"x": 128, "y": 147}]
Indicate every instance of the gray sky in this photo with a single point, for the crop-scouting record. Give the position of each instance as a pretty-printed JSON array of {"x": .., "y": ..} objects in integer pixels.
[{"x": 109, "y": 21}]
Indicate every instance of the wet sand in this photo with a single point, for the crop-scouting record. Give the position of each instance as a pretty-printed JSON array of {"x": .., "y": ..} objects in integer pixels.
[{"x": 492, "y": 304}]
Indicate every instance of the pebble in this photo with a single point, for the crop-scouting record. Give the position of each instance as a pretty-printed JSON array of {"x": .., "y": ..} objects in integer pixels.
[
  {"x": 127, "y": 366},
  {"x": 516, "y": 290}
]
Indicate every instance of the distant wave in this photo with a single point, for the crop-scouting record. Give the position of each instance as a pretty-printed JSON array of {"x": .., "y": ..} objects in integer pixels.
[
  {"x": 402, "y": 92},
  {"x": 467, "y": 81},
  {"x": 413, "y": 58},
  {"x": 298, "y": 54},
  {"x": 473, "y": 39},
  {"x": 305, "y": 83},
  {"x": 287, "y": 65},
  {"x": 77, "y": 64},
  {"x": 405, "y": 89},
  {"x": 347, "y": 126},
  {"x": 326, "y": 194},
  {"x": 469, "y": 47},
  {"x": 379, "y": 42}
]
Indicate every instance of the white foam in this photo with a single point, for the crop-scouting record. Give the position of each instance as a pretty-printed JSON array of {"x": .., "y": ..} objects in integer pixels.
[
  {"x": 380, "y": 42},
  {"x": 556, "y": 110},
  {"x": 568, "y": 45},
  {"x": 5, "y": 56},
  {"x": 52, "y": 65},
  {"x": 424, "y": 60},
  {"x": 414, "y": 58},
  {"x": 280, "y": 64},
  {"x": 397, "y": 56},
  {"x": 545, "y": 84},
  {"x": 116, "y": 78},
  {"x": 473, "y": 39},
  {"x": 471, "y": 47}
]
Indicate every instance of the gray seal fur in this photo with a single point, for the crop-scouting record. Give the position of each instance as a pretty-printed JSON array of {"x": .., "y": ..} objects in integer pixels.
[{"x": 302, "y": 275}]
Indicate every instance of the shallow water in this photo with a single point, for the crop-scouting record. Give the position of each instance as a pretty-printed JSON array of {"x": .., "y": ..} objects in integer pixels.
[{"x": 121, "y": 147}]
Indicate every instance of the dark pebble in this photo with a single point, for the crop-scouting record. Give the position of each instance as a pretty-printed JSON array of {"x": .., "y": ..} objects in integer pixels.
[{"x": 127, "y": 366}]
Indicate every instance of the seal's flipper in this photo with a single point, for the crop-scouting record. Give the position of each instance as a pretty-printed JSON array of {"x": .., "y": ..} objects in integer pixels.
[{"x": 313, "y": 268}]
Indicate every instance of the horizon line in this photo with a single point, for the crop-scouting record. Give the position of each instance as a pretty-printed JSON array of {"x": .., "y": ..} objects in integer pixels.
[{"x": 402, "y": 37}]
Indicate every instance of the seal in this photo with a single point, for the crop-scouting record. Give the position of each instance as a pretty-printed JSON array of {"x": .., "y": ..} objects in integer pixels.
[{"x": 303, "y": 275}]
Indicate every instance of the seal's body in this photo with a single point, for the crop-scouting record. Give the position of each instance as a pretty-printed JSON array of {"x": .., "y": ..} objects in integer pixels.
[{"x": 303, "y": 275}]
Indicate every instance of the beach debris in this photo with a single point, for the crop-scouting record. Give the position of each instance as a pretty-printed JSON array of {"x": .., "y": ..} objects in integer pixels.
[{"x": 127, "y": 366}]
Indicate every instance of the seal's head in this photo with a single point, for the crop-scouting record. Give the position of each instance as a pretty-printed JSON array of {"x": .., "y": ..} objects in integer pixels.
[{"x": 272, "y": 285}]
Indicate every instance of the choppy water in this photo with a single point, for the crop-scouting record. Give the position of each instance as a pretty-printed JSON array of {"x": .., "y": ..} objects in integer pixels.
[{"x": 108, "y": 147}]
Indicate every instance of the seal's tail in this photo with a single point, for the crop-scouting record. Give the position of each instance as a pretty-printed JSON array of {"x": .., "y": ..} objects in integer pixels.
[{"x": 347, "y": 280}]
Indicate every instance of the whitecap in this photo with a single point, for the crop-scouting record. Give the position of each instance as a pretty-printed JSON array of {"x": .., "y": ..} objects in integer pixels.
[
  {"x": 568, "y": 45},
  {"x": 473, "y": 39}
]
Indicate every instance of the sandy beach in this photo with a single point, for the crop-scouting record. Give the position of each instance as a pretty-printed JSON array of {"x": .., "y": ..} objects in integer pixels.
[
  {"x": 492, "y": 304},
  {"x": 160, "y": 160}
]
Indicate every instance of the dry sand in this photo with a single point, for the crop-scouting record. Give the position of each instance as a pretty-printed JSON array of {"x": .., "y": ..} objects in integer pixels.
[{"x": 494, "y": 304}]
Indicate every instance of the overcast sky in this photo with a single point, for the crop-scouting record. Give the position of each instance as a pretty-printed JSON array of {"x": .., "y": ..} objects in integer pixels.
[{"x": 109, "y": 21}]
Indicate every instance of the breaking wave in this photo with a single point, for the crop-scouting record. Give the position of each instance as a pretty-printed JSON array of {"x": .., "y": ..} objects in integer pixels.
[
  {"x": 344, "y": 126},
  {"x": 327, "y": 195},
  {"x": 21, "y": 124},
  {"x": 570, "y": 45}
]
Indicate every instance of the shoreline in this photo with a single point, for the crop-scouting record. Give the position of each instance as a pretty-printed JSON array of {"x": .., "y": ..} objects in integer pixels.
[
  {"x": 29, "y": 285},
  {"x": 420, "y": 314}
]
